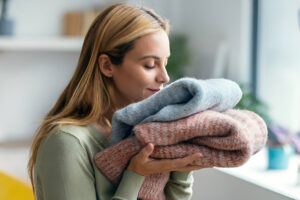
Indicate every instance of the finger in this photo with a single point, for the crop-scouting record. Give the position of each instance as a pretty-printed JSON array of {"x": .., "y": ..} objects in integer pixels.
[
  {"x": 189, "y": 159},
  {"x": 174, "y": 164},
  {"x": 191, "y": 168},
  {"x": 146, "y": 151},
  {"x": 196, "y": 156}
]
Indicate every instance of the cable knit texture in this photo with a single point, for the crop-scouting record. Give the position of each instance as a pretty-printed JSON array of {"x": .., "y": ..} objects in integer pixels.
[
  {"x": 179, "y": 99},
  {"x": 226, "y": 139}
]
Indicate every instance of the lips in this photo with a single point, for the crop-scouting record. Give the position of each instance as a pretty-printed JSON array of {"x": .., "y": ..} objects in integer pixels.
[{"x": 153, "y": 90}]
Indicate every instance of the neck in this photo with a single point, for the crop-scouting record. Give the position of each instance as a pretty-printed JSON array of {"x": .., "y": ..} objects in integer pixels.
[{"x": 109, "y": 115}]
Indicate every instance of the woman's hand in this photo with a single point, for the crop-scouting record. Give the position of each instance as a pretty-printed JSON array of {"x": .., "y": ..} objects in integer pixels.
[{"x": 143, "y": 165}]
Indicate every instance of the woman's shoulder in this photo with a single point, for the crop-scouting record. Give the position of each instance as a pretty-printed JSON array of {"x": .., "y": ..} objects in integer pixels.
[
  {"x": 66, "y": 136},
  {"x": 80, "y": 133},
  {"x": 63, "y": 150},
  {"x": 69, "y": 144},
  {"x": 71, "y": 135}
]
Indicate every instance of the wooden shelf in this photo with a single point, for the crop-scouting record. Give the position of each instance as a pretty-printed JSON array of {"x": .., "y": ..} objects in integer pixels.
[{"x": 66, "y": 44}]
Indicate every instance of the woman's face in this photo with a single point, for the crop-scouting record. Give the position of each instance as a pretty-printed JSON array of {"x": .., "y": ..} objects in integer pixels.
[{"x": 143, "y": 71}]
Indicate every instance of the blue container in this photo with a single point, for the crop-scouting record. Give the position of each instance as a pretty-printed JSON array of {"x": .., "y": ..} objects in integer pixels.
[
  {"x": 279, "y": 157},
  {"x": 6, "y": 27}
]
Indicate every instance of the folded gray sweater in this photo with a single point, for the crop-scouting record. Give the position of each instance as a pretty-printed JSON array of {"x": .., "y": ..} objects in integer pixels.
[{"x": 179, "y": 99}]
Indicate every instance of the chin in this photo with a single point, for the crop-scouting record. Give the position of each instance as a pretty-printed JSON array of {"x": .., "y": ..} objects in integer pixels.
[{"x": 144, "y": 97}]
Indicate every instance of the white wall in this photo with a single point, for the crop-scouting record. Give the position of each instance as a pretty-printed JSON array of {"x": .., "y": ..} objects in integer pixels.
[
  {"x": 279, "y": 61},
  {"x": 208, "y": 24},
  {"x": 30, "y": 83}
]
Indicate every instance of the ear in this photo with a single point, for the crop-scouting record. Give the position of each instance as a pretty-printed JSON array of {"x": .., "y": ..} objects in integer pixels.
[{"x": 105, "y": 65}]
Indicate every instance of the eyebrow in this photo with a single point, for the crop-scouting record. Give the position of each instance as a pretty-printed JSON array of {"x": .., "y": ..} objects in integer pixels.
[{"x": 151, "y": 56}]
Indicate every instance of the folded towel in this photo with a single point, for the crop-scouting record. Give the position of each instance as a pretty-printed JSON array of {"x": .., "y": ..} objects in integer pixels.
[
  {"x": 225, "y": 139},
  {"x": 179, "y": 99}
]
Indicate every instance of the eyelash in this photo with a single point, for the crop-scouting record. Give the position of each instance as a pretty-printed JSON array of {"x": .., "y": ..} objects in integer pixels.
[{"x": 149, "y": 67}]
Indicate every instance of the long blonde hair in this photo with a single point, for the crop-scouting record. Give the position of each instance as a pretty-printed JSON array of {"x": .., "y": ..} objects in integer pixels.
[{"x": 88, "y": 95}]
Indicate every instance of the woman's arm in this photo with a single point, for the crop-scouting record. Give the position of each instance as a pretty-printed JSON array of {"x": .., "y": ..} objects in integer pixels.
[
  {"x": 181, "y": 180},
  {"x": 142, "y": 164},
  {"x": 179, "y": 186},
  {"x": 129, "y": 186},
  {"x": 63, "y": 171}
]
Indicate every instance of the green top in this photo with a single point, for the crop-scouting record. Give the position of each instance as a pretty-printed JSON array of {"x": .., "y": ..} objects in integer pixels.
[{"x": 65, "y": 170}]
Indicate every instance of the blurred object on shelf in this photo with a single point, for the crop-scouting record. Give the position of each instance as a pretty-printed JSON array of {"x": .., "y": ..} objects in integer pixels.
[
  {"x": 282, "y": 144},
  {"x": 13, "y": 188},
  {"x": 279, "y": 156},
  {"x": 296, "y": 141},
  {"x": 77, "y": 23},
  {"x": 6, "y": 24},
  {"x": 281, "y": 136}
]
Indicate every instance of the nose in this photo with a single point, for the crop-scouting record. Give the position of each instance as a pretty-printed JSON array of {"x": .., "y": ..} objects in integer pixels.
[{"x": 163, "y": 76}]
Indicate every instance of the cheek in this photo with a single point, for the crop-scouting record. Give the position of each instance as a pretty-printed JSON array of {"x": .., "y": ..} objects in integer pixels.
[
  {"x": 137, "y": 75},
  {"x": 134, "y": 82},
  {"x": 138, "y": 84},
  {"x": 143, "y": 78}
]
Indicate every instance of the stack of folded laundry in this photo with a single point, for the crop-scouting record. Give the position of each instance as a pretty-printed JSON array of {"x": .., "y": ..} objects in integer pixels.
[{"x": 186, "y": 117}]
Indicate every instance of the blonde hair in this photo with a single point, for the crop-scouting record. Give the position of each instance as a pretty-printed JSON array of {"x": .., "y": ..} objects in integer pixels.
[{"x": 88, "y": 95}]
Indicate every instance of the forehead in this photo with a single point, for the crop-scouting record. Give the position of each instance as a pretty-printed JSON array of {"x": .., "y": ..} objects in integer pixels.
[{"x": 156, "y": 43}]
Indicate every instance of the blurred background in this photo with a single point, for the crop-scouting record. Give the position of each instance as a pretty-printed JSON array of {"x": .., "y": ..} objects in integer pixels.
[{"x": 253, "y": 42}]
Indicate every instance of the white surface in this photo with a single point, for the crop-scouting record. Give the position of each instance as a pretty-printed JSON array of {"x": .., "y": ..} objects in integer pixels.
[
  {"x": 41, "y": 43},
  {"x": 279, "y": 181},
  {"x": 213, "y": 184}
]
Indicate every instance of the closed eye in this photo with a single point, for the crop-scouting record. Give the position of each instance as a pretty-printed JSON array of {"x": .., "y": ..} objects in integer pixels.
[{"x": 149, "y": 67}]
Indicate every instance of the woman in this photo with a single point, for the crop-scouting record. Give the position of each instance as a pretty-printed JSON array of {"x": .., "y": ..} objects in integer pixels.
[{"x": 122, "y": 61}]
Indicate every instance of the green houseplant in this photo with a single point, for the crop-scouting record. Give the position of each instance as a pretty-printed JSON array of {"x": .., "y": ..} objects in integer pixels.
[
  {"x": 180, "y": 56},
  {"x": 253, "y": 103}
]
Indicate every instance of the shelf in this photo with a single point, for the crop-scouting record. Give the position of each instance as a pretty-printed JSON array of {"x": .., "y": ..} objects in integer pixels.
[{"x": 65, "y": 44}]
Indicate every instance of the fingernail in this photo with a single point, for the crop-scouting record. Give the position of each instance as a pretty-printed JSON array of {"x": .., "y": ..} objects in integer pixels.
[{"x": 200, "y": 155}]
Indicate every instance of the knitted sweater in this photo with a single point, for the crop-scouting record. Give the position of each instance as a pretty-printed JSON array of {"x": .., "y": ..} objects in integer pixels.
[
  {"x": 179, "y": 99},
  {"x": 225, "y": 139}
]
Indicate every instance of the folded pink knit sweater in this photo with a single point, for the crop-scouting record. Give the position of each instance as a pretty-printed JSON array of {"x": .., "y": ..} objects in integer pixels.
[{"x": 225, "y": 139}]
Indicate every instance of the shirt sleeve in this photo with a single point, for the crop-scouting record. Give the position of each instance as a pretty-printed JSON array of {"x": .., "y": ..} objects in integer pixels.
[
  {"x": 64, "y": 172},
  {"x": 129, "y": 186},
  {"x": 179, "y": 186}
]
